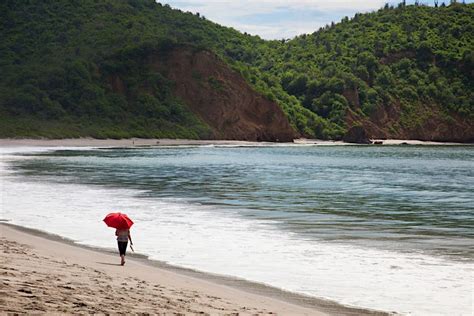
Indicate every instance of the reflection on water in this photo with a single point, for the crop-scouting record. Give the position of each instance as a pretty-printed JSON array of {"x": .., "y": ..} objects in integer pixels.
[{"x": 402, "y": 198}]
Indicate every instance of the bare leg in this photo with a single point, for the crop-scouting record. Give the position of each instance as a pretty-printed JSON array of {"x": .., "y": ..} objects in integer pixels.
[{"x": 123, "y": 260}]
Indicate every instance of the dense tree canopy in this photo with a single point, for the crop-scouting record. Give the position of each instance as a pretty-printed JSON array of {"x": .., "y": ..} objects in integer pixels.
[
  {"x": 57, "y": 59},
  {"x": 409, "y": 54}
]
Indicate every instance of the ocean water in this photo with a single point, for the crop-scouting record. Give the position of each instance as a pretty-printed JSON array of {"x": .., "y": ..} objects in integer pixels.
[{"x": 388, "y": 228}]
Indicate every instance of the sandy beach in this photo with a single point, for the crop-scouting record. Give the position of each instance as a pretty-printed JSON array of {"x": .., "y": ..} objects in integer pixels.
[
  {"x": 141, "y": 142},
  {"x": 46, "y": 274}
]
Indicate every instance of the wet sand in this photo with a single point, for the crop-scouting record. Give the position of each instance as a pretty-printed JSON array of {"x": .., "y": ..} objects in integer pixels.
[{"x": 47, "y": 274}]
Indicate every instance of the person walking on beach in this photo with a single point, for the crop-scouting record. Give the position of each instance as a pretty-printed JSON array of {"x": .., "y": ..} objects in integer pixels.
[
  {"x": 123, "y": 236},
  {"x": 122, "y": 223}
]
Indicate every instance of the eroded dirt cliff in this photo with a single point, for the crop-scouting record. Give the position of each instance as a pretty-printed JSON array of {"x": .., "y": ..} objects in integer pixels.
[
  {"x": 218, "y": 95},
  {"x": 221, "y": 97},
  {"x": 429, "y": 123}
]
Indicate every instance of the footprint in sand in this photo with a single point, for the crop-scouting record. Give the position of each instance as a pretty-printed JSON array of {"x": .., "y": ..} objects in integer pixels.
[{"x": 25, "y": 291}]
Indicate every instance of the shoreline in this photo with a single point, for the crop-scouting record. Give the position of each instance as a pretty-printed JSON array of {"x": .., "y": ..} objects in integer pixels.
[
  {"x": 236, "y": 292},
  {"x": 144, "y": 143}
]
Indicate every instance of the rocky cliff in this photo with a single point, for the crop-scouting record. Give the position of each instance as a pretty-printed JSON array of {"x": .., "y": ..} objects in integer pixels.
[
  {"x": 218, "y": 95},
  {"x": 222, "y": 98}
]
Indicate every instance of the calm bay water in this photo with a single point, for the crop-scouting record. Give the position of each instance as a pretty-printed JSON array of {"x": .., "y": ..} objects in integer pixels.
[{"x": 410, "y": 204}]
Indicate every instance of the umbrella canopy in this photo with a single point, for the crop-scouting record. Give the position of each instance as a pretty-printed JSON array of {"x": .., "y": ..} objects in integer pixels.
[{"x": 118, "y": 221}]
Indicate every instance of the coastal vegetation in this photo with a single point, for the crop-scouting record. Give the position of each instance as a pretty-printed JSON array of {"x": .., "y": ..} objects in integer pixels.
[{"x": 60, "y": 61}]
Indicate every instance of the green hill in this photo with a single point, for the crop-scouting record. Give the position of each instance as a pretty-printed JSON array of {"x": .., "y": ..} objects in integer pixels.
[
  {"x": 403, "y": 72},
  {"x": 87, "y": 68}
]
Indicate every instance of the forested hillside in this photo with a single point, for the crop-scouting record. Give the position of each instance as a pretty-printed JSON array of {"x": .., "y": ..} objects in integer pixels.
[
  {"x": 89, "y": 68},
  {"x": 56, "y": 58},
  {"x": 404, "y": 72}
]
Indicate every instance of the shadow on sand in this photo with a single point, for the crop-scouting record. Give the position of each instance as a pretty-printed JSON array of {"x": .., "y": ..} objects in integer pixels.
[{"x": 109, "y": 264}]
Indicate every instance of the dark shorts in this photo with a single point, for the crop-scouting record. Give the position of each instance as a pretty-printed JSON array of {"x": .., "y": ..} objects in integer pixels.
[{"x": 122, "y": 245}]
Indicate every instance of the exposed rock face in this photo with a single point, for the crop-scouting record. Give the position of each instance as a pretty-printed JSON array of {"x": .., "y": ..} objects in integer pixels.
[
  {"x": 396, "y": 56},
  {"x": 429, "y": 123},
  {"x": 352, "y": 96},
  {"x": 222, "y": 98},
  {"x": 357, "y": 135}
]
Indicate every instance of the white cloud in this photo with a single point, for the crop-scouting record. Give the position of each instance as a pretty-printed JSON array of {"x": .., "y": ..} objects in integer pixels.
[
  {"x": 265, "y": 6},
  {"x": 268, "y": 18},
  {"x": 286, "y": 30}
]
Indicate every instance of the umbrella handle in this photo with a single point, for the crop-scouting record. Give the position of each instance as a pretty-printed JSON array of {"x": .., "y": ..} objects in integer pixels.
[{"x": 131, "y": 247}]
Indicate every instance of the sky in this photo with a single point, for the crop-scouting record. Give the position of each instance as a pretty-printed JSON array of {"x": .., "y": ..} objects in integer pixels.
[{"x": 277, "y": 19}]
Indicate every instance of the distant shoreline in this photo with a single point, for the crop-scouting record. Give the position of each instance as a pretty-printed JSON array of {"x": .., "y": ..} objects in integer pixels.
[{"x": 154, "y": 142}]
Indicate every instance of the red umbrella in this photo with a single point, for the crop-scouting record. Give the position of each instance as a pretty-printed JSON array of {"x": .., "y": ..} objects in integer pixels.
[{"x": 118, "y": 221}]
